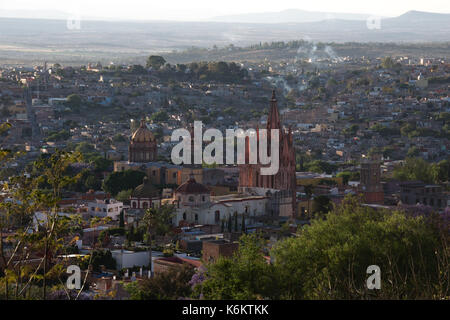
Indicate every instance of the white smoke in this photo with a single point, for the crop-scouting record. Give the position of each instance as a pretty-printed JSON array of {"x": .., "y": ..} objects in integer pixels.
[{"x": 279, "y": 82}]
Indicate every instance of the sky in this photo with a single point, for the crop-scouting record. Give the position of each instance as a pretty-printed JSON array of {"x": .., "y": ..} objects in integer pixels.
[{"x": 198, "y": 10}]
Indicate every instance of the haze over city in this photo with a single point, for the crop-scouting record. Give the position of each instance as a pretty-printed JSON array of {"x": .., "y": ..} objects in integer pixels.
[
  {"x": 241, "y": 151},
  {"x": 206, "y": 10}
]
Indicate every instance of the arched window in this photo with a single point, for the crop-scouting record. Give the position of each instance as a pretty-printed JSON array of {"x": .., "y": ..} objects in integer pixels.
[
  {"x": 145, "y": 205},
  {"x": 196, "y": 217},
  {"x": 134, "y": 204},
  {"x": 184, "y": 215},
  {"x": 191, "y": 198}
]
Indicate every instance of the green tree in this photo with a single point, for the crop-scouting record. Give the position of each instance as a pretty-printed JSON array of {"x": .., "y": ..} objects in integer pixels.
[
  {"x": 155, "y": 62},
  {"x": 122, "y": 180},
  {"x": 328, "y": 260},
  {"x": 74, "y": 100},
  {"x": 414, "y": 169},
  {"x": 170, "y": 285},
  {"x": 441, "y": 171},
  {"x": 321, "y": 204},
  {"x": 124, "y": 196},
  {"x": 244, "y": 276}
]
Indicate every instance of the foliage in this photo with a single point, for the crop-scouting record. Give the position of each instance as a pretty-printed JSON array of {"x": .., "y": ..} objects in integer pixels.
[
  {"x": 122, "y": 180},
  {"x": 124, "y": 195},
  {"x": 170, "y": 285},
  {"x": 328, "y": 260},
  {"x": 321, "y": 204},
  {"x": 246, "y": 275},
  {"x": 320, "y": 166},
  {"x": 155, "y": 62},
  {"x": 420, "y": 170},
  {"x": 99, "y": 258}
]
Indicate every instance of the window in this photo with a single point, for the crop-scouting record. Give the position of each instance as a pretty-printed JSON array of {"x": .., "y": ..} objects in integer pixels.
[
  {"x": 217, "y": 216},
  {"x": 134, "y": 204},
  {"x": 196, "y": 217},
  {"x": 203, "y": 198},
  {"x": 145, "y": 205},
  {"x": 174, "y": 175},
  {"x": 191, "y": 199},
  {"x": 184, "y": 215}
]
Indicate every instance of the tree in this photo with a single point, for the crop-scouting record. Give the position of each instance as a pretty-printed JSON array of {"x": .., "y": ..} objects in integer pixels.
[
  {"x": 345, "y": 176},
  {"x": 245, "y": 276},
  {"x": 321, "y": 204},
  {"x": 160, "y": 116},
  {"x": 124, "y": 196},
  {"x": 155, "y": 62},
  {"x": 414, "y": 169},
  {"x": 169, "y": 285},
  {"x": 121, "y": 219},
  {"x": 328, "y": 260},
  {"x": 74, "y": 100},
  {"x": 441, "y": 171},
  {"x": 122, "y": 180}
]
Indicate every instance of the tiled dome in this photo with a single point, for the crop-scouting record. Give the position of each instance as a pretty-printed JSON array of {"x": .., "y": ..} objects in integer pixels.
[
  {"x": 145, "y": 190},
  {"x": 142, "y": 134}
]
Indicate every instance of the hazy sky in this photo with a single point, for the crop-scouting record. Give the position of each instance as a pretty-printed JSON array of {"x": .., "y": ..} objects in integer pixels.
[{"x": 203, "y": 9}]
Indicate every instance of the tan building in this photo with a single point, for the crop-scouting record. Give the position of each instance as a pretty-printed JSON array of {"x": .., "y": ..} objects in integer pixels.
[{"x": 142, "y": 146}]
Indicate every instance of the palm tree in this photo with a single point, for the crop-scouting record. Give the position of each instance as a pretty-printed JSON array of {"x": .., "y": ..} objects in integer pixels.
[{"x": 159, "y": 221}]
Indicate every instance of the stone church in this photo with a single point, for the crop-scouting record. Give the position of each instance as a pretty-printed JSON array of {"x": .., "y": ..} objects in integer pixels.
[
  {"x": 284, "y": 180},
  {"x": 143, "y": 146}
]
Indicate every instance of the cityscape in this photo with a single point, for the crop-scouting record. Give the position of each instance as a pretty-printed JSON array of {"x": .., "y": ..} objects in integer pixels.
[{"x": 97, "y": 203}]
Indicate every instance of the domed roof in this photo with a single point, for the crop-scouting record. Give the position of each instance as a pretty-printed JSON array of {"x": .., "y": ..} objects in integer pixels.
[
  {"x": 142, "y": 134},
  {"x": 145, "y": 190},
  {"x": 191, "y": 186}
]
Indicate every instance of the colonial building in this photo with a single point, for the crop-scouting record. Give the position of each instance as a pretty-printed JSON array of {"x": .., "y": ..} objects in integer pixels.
[
  {"x": 284, "y": 179},
  {"x": 370, "y": 185},
  {"x": 145, "y": 196},
  {"x": 142, "y": 146},
  {"x": 195, "y": 205}
]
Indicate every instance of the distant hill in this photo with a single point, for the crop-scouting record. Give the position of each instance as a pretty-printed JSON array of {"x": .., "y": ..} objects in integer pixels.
[
  {"x": 288, "y": 16},
  {"x": 40, "y": 39}
]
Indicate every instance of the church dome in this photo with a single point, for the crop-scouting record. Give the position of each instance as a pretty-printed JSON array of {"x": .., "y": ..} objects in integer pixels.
[
  {"x": 142, "y": 134},
  {"x": 145, "y": 190},
  {"x": 192, "y": 186}
]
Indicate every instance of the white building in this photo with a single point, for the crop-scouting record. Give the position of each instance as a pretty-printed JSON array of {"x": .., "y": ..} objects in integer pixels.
[
  {"x": 105, "y": 208},
  {"x": 130, "y": 259},
  {"x": 195, "y": 205}
]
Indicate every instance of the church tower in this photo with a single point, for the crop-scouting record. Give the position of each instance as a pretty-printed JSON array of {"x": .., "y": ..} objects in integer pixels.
[
  {"x": 285, "y": 180},
  {"x": 143, "y": 146}
]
